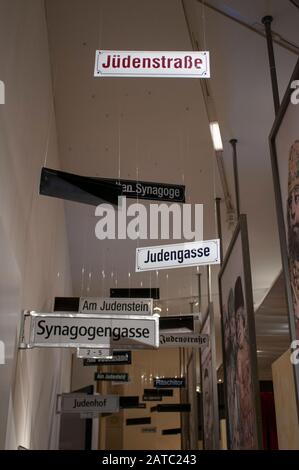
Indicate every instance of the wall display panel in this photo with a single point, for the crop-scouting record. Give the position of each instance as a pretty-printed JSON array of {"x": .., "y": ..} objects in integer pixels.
[
  {"x": 209, "y": 385},
  {"x": 284, "y": 145},
  {"x": 239, "y": 344}
]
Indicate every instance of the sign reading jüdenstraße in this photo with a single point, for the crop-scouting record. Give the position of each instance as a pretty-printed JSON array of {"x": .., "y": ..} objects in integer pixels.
[
  {"x": 69, "y": 330},
  {"x": 152, "y": 64},
  {"x": 183, "y": 340},
  {"x": 179, "y": 255},
  {"x": 78, "y": 403},
  {"x": 110, "y": 305}
]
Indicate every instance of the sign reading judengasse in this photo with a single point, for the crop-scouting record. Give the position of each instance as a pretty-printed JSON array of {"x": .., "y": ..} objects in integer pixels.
[
  {"x": 152, "y": 64},
  {"x": 70, "y": 330},
  {"x": 178, "y": 255}
]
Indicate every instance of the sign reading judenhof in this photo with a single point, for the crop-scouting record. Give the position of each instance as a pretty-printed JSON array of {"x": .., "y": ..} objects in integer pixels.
[
  {"x": 179, "y": 255},
  {"x": 152, "y": 64},
  {"x": 71, "y": 330},
  {"x": 79, "y": 402},
  {"x": 110, "y": 305}
]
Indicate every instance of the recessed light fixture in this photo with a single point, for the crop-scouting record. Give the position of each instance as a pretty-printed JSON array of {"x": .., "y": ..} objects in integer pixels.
[{"x": 216, "y": 136}]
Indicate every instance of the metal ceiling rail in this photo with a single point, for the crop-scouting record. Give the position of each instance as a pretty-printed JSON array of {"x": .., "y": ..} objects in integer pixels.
[{"x": 257, "y": 28}]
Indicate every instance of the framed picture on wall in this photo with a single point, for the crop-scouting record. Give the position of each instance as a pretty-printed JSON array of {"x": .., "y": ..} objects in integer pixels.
[
  {"x": 210, "y": 412},
  {"x": 239, "y": 345},
  {"x": 284, "y": 146}
]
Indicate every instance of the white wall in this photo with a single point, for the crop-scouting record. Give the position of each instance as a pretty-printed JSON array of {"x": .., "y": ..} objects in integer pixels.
[{"x": 32, "y": 228}]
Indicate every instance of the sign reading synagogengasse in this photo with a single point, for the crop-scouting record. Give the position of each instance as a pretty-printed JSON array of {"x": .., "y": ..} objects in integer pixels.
[
  {"x": 152, "y": 64},
  {"x": 69, "y": 330}
]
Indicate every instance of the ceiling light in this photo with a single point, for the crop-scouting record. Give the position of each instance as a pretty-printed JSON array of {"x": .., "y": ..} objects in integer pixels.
[
  {"x": 157, "y": 309},
  {"x": 216, "y": 136}
]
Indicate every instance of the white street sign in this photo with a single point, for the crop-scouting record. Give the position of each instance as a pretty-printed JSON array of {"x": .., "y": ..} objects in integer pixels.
[
  {"x": 94, "y": 353},
  {"x": 116, "y": 305},
  {"x": 80, "y": 330},
  {"x": 81, "y": 403},
  {"x": 182, "y": 64},
  {"x": 180, "y": 255},
  {"x": 183, "y": 340}
]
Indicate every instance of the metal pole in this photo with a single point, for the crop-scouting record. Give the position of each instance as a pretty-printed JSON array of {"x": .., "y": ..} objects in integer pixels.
[
  {"x": 267, "y": 20},
  {"x": 233, "y": 143},
  {"x": 219, "y": 227},
  {"x": 199, "y": 291},
  {"x": 209, "y": 283}
]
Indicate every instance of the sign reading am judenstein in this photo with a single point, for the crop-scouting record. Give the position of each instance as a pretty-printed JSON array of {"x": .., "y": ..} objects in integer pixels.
[{"x": 108, "y": 305}]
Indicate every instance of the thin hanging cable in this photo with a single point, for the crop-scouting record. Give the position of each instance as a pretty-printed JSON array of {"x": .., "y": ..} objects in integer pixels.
[
  {"x": 203, "y": 16},
  {"x": 119, "y": 136},
  {"x": 100, "y": 23}
]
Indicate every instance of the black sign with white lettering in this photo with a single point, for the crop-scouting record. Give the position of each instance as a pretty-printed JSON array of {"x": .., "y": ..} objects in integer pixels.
[
  {"x": 112, "y": 376},
  {"x": 170, "y": 382},
  {"x": 152, "y": 398},
  {"x": 94, "y": 191},
  {"x": 119, "y": 358},
  {"x": 150, "y": 190}
]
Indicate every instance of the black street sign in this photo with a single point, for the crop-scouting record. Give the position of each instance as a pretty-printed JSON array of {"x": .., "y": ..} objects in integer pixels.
[
  {"x": 174, "y": 408},
  {"x": 152, "y": 398},
  {"x": 173, "y": 382},
  {"x": 94, "y": 190},
  {"x": 112, "y": 376},
  {"x": 119, "y": 358}
]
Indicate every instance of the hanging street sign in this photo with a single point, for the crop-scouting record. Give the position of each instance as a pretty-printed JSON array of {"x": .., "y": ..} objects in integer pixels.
[
  {"x": 94, "y": 353},
  {"x": 111, "y": 376},
  {"x": 94, "y": 190},
  {"x": 173, "y": 382},
  {"x": 179, "y": 255},
  {"x": 123, "y": 306},
  {"x": 180, "y": 64},
  {"x": 81, "y": 330},
  {"x": 118, "y": 358},
  {"x": 183, "y": 340},
  {"x": 152, "y": 398},
  {"x": 80, "y": 403}
]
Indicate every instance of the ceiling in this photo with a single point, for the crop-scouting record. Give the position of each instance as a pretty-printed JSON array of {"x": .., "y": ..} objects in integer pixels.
[{"x": 158, "y": 130}]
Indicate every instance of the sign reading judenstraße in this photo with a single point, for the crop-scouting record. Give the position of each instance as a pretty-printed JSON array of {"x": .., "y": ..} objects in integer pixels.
[
  {"x": 70, "y": 330},
  {"x": 152, "y": 64},
  {"x": 110, "y": 305},
  {"x": 183, "y": 340},
  {"x": 178, "y": 255}
]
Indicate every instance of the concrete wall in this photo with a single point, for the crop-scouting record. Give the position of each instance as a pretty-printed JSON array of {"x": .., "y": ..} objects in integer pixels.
[{"x": 33, "y": 241}]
